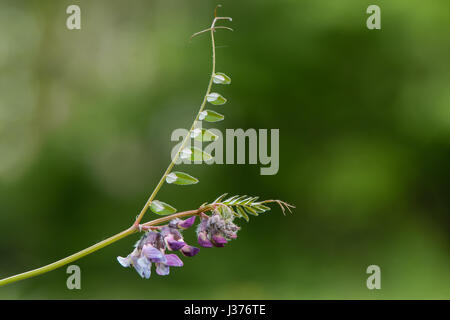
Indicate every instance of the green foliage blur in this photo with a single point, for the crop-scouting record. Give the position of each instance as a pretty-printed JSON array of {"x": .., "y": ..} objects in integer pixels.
[{"x": 364, "y": 118}]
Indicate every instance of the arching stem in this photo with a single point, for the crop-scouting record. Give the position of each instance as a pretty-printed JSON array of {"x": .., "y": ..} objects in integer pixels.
[
  {"x": 100, "y": 245},
  {"x": 188, "y": 136},
  {"x": 136, "y": 227}
]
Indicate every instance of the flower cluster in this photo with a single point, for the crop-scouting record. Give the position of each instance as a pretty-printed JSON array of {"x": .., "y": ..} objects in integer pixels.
[
  {"x": 216, "y": 230},
  {"x": 151, "y": 248}
]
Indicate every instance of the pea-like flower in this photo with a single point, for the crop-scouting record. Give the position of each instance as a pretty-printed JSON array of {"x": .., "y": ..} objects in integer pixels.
[
  {"x": 189, "y": 251},
  {"x": 172, "y": 238},
  {"x": 202, "y": 234},
  {"x": 150, "y": 249},
  {"x": 186, "y": 223},
  {"x": 171, "y": 260},
  {"x": 152, "y": 246},
  {"x": 216, "y": 231}
]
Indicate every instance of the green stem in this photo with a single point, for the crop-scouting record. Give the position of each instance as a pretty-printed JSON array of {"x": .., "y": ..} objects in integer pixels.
[
  {"x": 98, "y": 246},
  {"x": 187, "y": 137},
  {"x": 135, "y": 227},
  {"x": 69, "y": 259}
]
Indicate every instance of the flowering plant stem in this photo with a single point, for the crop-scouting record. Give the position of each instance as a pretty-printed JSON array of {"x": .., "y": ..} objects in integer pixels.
[
  {"x": 136, "y": 225},
  {"x": 214, "y": 230},
  {"x": 187, "y": 137},
  {"x": 101, "y": 244}
]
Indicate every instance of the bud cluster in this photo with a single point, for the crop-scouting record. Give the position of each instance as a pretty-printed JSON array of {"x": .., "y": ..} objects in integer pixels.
[{"x": 216, "y": 230}]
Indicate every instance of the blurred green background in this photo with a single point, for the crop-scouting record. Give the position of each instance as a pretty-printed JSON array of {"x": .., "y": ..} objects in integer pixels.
[{"x": 364, "y": 118}]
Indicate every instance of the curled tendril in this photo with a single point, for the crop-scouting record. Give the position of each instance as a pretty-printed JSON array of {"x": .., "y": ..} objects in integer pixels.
[
  {"x": 213, "y": 25},
  {"x": 215, "y": 10}
]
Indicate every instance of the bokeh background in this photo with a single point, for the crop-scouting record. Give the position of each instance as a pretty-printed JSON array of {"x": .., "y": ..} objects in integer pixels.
[{"x": 364, "y": 118}]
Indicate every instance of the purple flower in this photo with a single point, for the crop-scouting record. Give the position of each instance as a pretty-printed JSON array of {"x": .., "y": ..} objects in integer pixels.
[
  {"x": 181, "y": 224},
  {"x": 186, "y": 223},
  {"x": 202, "y": 234},
  {"x": 172, "y": 244},
  {"x": 143, "y": 267},
  {"x": 153, "y": 254},
  {"x": 125, "y": 262},
  {"x": 152, "y": 246},
  {"x": 172, "y": 238},
  {"x": 171, "y": 260},
  {"x": 203, "y": 240},
  {"x": 189, "y": 251},
  {"x": 150, "y": 249},
  {"x": 216, "y": 231},
  {"x": 233, "y": 235},
  {"x": 218, "y": 240},
  {"x": 140, "y": 263}
]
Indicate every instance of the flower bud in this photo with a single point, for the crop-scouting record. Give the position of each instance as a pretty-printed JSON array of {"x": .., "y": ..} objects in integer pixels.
[
  {"x": 172, "y": 244},
  {"x": 203, "y": 240},
  {"x": 186, "y": 223},
  {"x": 218, "y": 240},
  {"x": 189, "y": 251}
]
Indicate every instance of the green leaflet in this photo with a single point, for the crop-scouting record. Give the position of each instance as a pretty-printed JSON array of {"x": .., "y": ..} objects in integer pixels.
[
  {"x": 226, "y": 212},
  {"x": 195, "y": 154},
  {"x": 260, "y": 208},
  {"x": 249, "y": 201},
  {"x": 221, "y": 78},
  {"x": 210, "y": 116},
  {"x": 250, "y": 210},
  {"x": 243, "y": 206},
  {"x": 230, "y": 200},
  {"x": 203, "y": 135},
  {"x": 162, "y": 208},
  {"x": 220, "y": 198},
  {"x": 180, "y": 178},
  {"x": 215, "y": 99},
  {"x": 242, "y": 213}
]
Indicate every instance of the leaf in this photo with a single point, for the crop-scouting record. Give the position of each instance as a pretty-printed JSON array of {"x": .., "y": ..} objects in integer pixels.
[
  {"x": 221, "y": 78},
  {"x": 215, "y": 99},
  {"x": 260, "y": 207},
  {"x": 162, "y": 208},
  {"x": 220, "y": 198},
  {"x": 210, "y": 116},
  {"x": 203, "y": 135},
  {"x": 180, "y": 178},
  {"x": 228, "y": 201},
  {"x": 244, "y": 201},
  {"x": 242, "y": 213},
  {"x": 236, "y": 214},
  {"x": 195, "y": 154},
  {"x": 243, "y": 205},
  {"x": 249, "y": 201},
  {"x": 185, "y": 153},
  {"x": 250, "y": 210},
  {"x": 237, "y": 200}
]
